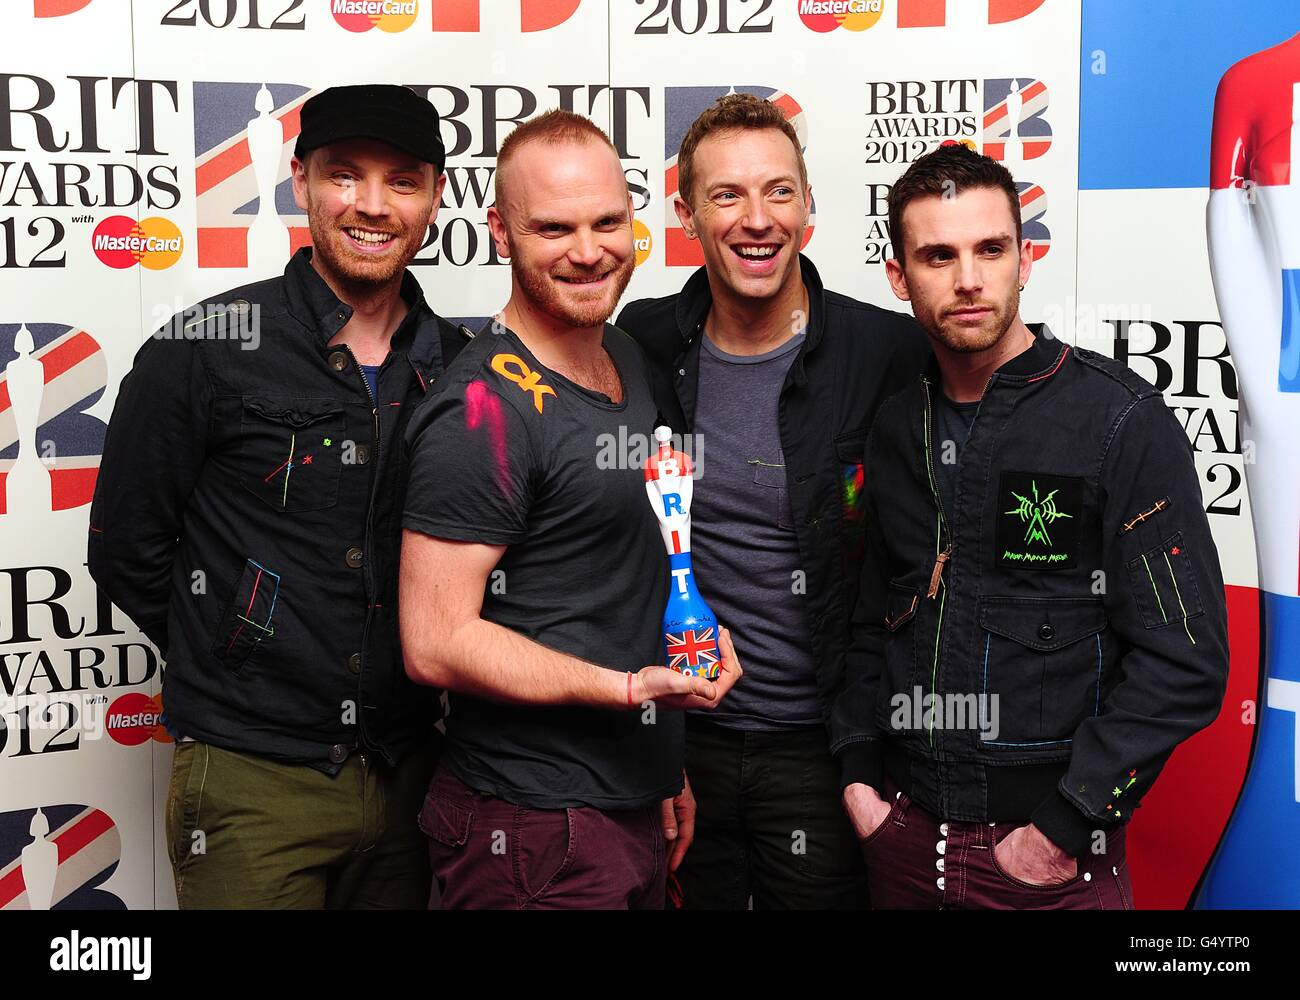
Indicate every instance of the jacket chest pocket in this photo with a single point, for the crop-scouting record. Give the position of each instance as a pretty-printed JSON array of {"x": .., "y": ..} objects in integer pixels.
[
  {"x": 1040, "y": 672},
  {"x": 290, "y": 452}
]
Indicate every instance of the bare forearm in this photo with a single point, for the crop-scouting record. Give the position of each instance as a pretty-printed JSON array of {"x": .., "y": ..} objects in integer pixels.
[{"x": 487, "y": 660}]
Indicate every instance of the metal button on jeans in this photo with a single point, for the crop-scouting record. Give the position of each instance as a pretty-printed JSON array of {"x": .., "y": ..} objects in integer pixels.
[
  {"x": 354, "y": 557},
  {"x": 354, "y": 663},
  {"x": 943, "y": 829},
  {"x": 338, "y": 753},
  {"x": 939, "y": 883},
  {"x": 938, "y": 863},
  {"x": 941, "y": 846},
  {"x": 1046, "y": 632},
  {"x": 338, "y": 361}
]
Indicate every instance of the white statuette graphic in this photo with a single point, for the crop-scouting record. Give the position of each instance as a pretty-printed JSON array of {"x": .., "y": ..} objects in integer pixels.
[
  {"x": 28, "y": 486},
  {"x": 1015, "y": 148},
  {"x": 268, "y": 239},
  {"x": 40, "y": 862}
]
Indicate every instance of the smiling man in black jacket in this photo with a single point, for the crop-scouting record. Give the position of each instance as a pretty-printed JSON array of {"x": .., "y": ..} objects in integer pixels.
[
  {"x": 778, "y": 380},
  {"x": 1041, "y": 617},
  {"x": 247, "y": 518}
]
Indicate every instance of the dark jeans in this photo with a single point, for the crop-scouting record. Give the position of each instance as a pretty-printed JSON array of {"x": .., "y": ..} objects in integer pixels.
[
  {"x": 916, "y": 861},
  {"x": 488, "y": 854},
  {"x": 244, "y": 832},
  {"x": 770, "y": 823}
]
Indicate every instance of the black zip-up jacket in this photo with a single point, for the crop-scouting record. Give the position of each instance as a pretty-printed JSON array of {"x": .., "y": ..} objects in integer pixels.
[
  {"x": 854, "y": 356},
  {"x": 247, "y": 517},
  {"x": 1076, "y": 580}
]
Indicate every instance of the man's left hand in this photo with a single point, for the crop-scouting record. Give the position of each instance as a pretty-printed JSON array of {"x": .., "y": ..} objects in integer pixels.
[
  {"x": 1026, "y": 854},
  {"x": 679, "y": 823}
]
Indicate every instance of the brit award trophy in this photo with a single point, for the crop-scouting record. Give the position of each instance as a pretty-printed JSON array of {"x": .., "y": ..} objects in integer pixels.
[
  {"x": 1254, "y": 232},
  {"x": 690, "y": 628}
]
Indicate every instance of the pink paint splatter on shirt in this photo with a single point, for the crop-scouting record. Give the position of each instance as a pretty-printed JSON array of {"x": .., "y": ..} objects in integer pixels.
[{"x": 483, "y": 409}]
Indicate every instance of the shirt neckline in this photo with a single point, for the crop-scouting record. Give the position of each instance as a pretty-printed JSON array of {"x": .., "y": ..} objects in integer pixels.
[
  {"x": 780, "y": 350},
  {"x": 589, "y": 396}
]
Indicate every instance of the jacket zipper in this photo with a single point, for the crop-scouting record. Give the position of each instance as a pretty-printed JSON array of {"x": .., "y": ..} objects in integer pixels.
[
  {"x": 941, "y": 559},
  {"x": 370, "y": 511}
]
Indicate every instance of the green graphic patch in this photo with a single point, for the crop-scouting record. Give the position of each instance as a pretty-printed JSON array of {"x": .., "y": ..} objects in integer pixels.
[{"x": 1038, "y": 520}]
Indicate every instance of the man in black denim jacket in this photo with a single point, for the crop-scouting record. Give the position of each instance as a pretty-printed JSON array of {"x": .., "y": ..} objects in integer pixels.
[
  {"x": 247, "y": 518},
  {"x": 1041, "y": 619}
]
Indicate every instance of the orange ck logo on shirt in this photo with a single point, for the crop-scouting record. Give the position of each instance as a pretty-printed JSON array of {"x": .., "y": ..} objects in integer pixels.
[{"x": 521, "y": 375}]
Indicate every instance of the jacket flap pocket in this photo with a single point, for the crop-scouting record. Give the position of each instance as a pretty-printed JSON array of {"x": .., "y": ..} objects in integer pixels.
[
  {"x": 250, "y": 616},
  {"x": 293, "y": 411},
  {"x": 1044, "y": 624},
  {"x": 900, "y": 605}
]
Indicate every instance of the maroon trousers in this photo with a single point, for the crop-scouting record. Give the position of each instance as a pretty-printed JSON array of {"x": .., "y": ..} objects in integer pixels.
[
  {"x": 488, "y": 854},
  {"x": 916, "y": 861}
]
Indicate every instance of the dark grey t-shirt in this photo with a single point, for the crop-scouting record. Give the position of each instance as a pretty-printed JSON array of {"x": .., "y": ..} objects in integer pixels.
[
  {"x": 744, "y": 548},
  {"x": 951, "y": 428},
  {"x": 507, "y": 452}
]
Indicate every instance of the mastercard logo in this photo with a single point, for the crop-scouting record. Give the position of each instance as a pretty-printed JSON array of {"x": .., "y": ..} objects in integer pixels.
[
  {"x": 136, "y": 718},
  {"x": 827, "y": 15},
  {"x": 386, "y": 15},
  {"x": 121, "y": 242},
  {"x": 642, "y": 241}
]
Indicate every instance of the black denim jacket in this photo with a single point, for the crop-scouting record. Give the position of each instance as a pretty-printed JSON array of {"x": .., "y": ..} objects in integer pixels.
[
  {"x": 1076, "y": 580},
  {"x": 854, "y": 356},
  {"x": 247, "y": 518}
]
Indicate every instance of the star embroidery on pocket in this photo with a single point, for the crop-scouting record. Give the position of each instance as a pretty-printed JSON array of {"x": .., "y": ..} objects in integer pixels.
[
  {"x": 1175, "y": 550},
  {"x": 306, "y": 459}
]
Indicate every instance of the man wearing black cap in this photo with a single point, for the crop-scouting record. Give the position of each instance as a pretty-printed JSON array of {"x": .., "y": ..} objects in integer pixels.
[{"x": 247, "y": 517}]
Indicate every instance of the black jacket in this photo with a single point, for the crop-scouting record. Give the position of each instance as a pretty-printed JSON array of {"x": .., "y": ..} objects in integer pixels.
[
  {"x": 1076, "y": 580},
  {"x": 853, "y": 357},
  {"x": 247, "y": 518}
]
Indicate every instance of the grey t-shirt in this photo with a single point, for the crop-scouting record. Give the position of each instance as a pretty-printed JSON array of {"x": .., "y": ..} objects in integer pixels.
[
  {"x": 952, "y": 422},
  {"x": 507, "y": 452},
  {"x": 744, "y": 548}
]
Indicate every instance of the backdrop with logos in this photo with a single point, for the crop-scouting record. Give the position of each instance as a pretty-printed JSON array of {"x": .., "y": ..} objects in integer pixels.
[{"x": 144, "y": 165}]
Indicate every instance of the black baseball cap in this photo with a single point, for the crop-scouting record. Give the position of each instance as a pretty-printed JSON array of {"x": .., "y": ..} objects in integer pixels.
[{"x": 382, "y": 111}]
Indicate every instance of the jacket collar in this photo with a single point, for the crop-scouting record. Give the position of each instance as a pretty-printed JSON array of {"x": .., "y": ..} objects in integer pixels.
[
  {"x": 314, "y": 304},
  {"x": 1040, "y": 360},
  {"x": 696, "y": 299}
]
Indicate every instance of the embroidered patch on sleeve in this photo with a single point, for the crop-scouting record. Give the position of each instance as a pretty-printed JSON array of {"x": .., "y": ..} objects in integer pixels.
[{"x": 1038, "y": 519}]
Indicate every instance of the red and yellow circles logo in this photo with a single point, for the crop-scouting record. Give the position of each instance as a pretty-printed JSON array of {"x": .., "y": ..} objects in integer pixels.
[
  {"x": 121, "y": 242},
  {"x": 642, "y": 241},
  {"x": 136, "y": 718},
  {"x": 827, "y": 15},
  {"x": 386, "y": 15}
]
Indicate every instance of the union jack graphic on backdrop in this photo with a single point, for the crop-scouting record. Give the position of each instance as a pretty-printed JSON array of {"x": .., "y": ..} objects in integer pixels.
[
  {"x": 75, "y": 376},
  {"x": 691, "y": 650},
  {"x": 934, "y": 13},
  {"x": 224, "y": 185},
  {"x": 89, "y": 851},
  {"x": 1034, "y": 131},
  {"x": 1033, "y": 206},
  {"x": 682, "y": 105}
]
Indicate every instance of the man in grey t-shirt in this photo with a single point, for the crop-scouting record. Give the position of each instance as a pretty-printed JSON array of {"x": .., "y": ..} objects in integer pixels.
[{"x": 778, "y": 381}]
